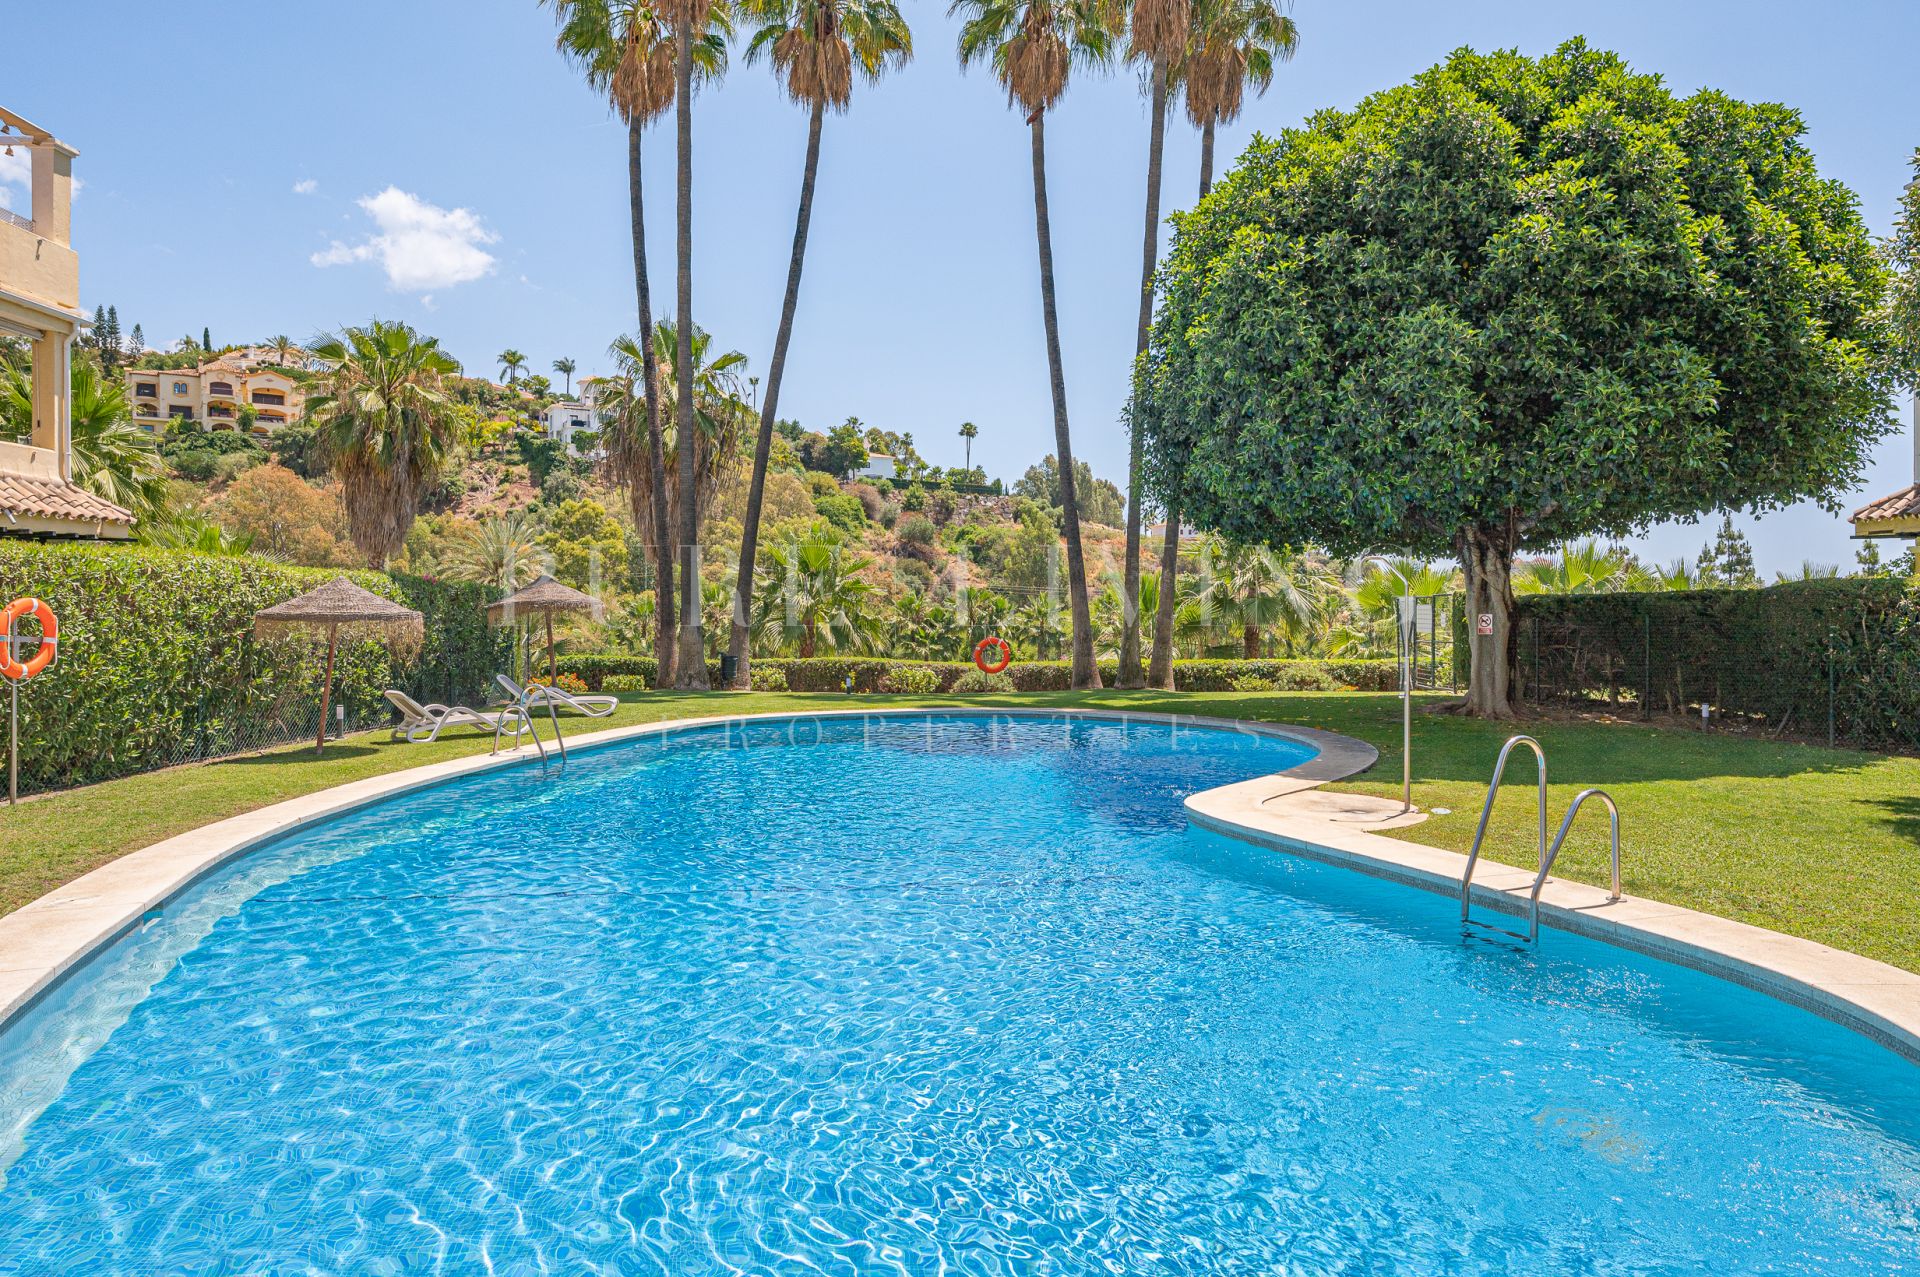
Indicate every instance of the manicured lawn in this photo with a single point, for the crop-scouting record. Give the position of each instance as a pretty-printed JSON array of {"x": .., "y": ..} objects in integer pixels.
[{"x": 1820, "y": 843}]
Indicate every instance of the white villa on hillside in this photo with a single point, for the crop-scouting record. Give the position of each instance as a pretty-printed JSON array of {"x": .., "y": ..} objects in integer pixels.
[
  {"x": 40, "y": 301},
  {"x": 571, "y": 416}
]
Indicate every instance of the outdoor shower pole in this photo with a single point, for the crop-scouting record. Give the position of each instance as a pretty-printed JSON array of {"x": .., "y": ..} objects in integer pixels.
[{"x": 1403, "y": 625}]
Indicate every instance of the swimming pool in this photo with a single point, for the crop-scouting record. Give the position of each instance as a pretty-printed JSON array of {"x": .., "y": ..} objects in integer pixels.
[{"x": 939, "y": 994}]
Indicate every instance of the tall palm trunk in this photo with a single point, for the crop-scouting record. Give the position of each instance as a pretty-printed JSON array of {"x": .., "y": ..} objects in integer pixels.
[
  {"x": 692, "y": 674},
  {"x": 1161, "y": 673},
  {"x": 1130, "y": 675},
  {"x": 664, "y": 637},
  {"x": 1086, "y": 674},
  {"x": 1250, "y": 641},
  {"x": 750, "y": 536}
]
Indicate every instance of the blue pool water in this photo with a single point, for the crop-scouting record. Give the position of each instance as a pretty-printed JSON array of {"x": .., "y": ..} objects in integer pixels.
[{"x": 941, "y": 995}]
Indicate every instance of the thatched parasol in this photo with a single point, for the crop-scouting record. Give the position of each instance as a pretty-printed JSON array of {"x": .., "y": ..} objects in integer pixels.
[
  {"x": 341, "y": 605},
  {"x": 545, "y": 596}
]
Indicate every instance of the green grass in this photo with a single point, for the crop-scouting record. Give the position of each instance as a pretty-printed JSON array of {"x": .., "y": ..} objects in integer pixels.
[{"x": 1815, "y": 842}]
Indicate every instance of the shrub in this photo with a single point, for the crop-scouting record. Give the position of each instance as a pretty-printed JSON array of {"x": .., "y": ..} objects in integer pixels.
[
  {"x": 767, "y": 678},
  {"x": 568, "y": 683},
  {"x": 913, "y": 680},
  {"x": 842, "y": 510},
  {"x": 622, "y": 683},
  {"x": 159, "y": 660},
  {"x": 914, "y": 498},
  {"x": 595, "y": 669},
  {"x": 1252, "y": 683},
  {"x": 975, "y": 681},
  {"x": 915, "y": 529}
]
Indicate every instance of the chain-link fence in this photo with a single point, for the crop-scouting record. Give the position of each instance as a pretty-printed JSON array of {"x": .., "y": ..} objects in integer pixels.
[{"x": 1830, "y": 664}]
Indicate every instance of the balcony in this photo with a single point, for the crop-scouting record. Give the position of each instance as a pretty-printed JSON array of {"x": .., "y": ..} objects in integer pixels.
[
  {"x": 220, "y": 390},
  {"x": 183, "y": 412},
  {"x": 219, "y": 410},
  {"x": 275, "y": 398},
  {"x": 145, "y": 390}
]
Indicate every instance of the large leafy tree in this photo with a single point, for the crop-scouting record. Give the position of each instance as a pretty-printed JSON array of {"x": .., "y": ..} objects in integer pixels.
[
  {"x": 625, "y": 50},
  {"x": 1903, "y": 255},
  {"x": 1032, "y": 46},
  {"x": 816, "y": 46},
  {"x": 1515, "y": 303},
  {"x": 387, "y": 419}
]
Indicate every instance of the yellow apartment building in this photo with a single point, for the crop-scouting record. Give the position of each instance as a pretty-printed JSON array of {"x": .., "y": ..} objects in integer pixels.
[
  {"x": 40, "y": 302},
  {"x": 213, "y": 394}
]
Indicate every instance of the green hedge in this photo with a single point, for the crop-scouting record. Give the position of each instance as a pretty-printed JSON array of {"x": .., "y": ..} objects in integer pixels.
[
  {"x": 158, "y": 662},
  {"x": 1792, "y": 656},
  {"x": 877, "y": 674}
]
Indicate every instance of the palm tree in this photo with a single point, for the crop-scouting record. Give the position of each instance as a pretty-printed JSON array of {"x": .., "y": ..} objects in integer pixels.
[
  {"x": 1580, "y": 569},
  {"x": 198, "y": 535},
  {"x": 813, "y": 598},
  {"x": 815, "y": 46},
  {"x": 1157, "y": 35},
  {"x": 283, "y": 347},
  {"x": 1678, "y": 575},
  {"x": 110, "y": 456},
  {"x": 1031, "y": 46},
  {"x": 720, "y": 418},
  {"x": 387, "y": 422},
  {"x": 1261, "y": 589},
  {"x": 625, "y": 49},
  {"x": 1230, "y": 44},
  {"x": 969, "y": 432},
  {"x": 566, "y": 367},
  {"x": 512, "y": 364},
  {"x": 503, "y": 552}
]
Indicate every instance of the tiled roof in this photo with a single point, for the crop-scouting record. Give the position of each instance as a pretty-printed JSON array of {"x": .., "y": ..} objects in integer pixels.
[
  {"x": 1900, "y": 505},
  {"x": 55, "y": 499}
]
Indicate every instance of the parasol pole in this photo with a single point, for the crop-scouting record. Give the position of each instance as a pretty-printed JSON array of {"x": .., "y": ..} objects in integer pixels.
[
  {"x": 326, "y": 688},
  {"x": 552, "y": 676}
]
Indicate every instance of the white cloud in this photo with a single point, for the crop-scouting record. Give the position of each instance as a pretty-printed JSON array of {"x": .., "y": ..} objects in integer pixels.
[
  {"x": 16, "y": 170},
  {"x": 419, "y": 245},
  {"x": 305, "y": 186}
]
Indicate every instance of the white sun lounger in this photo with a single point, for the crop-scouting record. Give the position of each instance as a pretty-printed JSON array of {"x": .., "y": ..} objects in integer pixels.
[
  {"x": 593, "y": 706},
  {"x": 421, "y": 723}
]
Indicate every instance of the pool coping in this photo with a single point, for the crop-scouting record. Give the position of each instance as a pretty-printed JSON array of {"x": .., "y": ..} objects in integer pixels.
[
  {"x": 44, "y": 942},
  {"x": 1873, "y": 998},
  {"x": 48, "y": 939}
]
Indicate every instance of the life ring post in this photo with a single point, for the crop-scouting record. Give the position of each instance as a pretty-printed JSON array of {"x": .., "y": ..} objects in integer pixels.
[
  {"x": 17, "y": 670},
  {"x": 992, "y": 641}
]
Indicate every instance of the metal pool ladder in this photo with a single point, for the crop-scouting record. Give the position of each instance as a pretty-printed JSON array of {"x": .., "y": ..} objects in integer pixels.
[
  {"x": 1547, "y": 853},
  {"x": 520, "y": 712}
]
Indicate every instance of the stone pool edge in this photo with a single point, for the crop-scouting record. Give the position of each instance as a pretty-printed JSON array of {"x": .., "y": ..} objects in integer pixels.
[
  {"x": 1872, "y": 998},
  {"x": 43, "y": 942}
]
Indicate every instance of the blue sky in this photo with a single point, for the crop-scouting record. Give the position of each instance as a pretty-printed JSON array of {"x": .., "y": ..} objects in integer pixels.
[{"x": 302, "y": 167}]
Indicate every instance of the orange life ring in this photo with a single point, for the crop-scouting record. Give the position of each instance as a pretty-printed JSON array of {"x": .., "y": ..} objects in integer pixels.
[
  {"x": 49, "y": 638},
  {"x": 980, "y": 654}
]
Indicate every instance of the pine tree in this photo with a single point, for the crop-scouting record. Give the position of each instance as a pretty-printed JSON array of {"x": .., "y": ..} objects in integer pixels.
[
  {"x": 110, "y": 338},
  {"x": 206, "y": 340},
  {"x": 1728, "y": 562},
  {"x": 1867, "y": 559},
  {"x": 92, "y": 339},
  {"x": 136, "y": 344}
]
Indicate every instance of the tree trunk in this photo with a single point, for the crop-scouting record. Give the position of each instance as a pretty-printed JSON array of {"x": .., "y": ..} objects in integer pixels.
[
  {"x": 692, "y": 674},
  {"x": 1206, "y": 158},
  {"x": 737, "y": 641},
  {"x": 1086, "y": 674},
  {"x": 663, "y": 627},
  {"x": 1160, "y": 670},
  {"x": 1487, "y": 555},
  {"x": 806, "y": 641},
  {"x": 1250, "y": 641},
  {"x": 1130, "y": 673}
]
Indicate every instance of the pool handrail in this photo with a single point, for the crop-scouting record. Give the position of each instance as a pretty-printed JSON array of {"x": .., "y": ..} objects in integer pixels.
[
  {"x": 1486, "y": 813},
  {"x": 1559, "y": 839}
]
